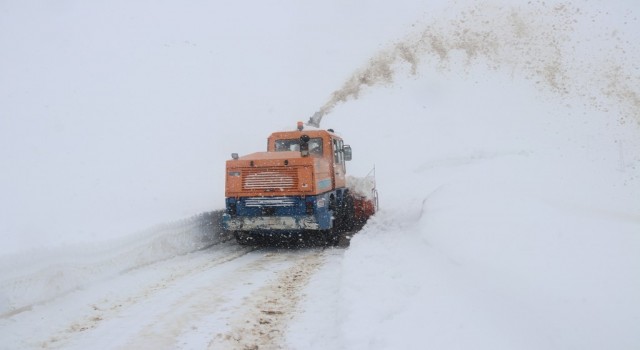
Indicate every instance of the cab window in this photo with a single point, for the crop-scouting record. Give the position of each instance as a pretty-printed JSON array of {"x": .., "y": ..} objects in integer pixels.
[
  {"x": 315, "y": 146},
  {"x": 287, "y": 145}
]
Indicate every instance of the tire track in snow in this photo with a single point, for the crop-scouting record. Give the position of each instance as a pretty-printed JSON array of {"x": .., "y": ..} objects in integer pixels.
[
  {"x": 266, "y": 316},
  {"x": 111, "y": 301},
  {"x": 201, "y": 301},
  {"x": 264, "y": 303},
  {"x": 30, "y": 280}
]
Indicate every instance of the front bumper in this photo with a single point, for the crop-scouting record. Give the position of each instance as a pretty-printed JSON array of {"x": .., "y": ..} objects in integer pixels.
[{"x": 269, "y": 223}]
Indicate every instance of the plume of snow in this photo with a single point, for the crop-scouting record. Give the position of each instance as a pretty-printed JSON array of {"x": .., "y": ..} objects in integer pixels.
[{"x": 532, "y": 41}]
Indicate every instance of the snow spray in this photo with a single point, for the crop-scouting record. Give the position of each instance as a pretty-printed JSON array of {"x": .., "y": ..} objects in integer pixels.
[{"x": 534, "y": 41}]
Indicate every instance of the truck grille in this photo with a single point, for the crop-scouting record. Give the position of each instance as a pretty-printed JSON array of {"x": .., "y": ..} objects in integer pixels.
[
  {"x": 270, "y": 202},
  {"x": 270, "y": 179}
]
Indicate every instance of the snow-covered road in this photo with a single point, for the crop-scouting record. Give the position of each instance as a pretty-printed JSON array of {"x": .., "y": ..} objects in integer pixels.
[{"x": 225, "y": 296}]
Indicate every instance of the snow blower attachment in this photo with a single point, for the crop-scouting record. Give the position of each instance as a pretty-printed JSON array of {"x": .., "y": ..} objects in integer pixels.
[
  {"x": 298, "y": 189},
  {"x": 315, "y": 119}
]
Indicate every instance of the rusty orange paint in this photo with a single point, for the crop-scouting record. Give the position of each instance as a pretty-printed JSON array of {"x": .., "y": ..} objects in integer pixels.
[{"x": 287, "y": 173}]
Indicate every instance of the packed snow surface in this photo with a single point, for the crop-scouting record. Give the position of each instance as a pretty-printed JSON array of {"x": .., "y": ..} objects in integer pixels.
[{"x": 505, "y": 137}]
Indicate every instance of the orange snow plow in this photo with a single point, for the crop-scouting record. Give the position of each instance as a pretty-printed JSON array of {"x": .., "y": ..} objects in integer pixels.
[{"x": 298, "y": 188}]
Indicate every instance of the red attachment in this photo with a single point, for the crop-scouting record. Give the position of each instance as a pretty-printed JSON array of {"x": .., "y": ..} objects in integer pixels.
[{"x": 364, "y": 208}]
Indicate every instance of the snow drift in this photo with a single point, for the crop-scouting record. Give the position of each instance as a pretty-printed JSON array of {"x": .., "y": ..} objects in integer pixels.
[
  {"x": 510, "y": 176},
  {"x": 29, "y": 279}
]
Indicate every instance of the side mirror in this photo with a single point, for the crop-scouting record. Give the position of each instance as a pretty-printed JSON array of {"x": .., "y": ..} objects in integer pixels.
[{"x": 347, "y": 152}]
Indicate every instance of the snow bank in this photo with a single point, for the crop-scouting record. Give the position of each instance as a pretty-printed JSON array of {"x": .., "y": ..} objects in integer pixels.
[
  {"x": 487, "y": 265},
  {"x": 510, "y": 203},
  {"x": 28, "y": 279},
  {"x": 486, "y": 256}
]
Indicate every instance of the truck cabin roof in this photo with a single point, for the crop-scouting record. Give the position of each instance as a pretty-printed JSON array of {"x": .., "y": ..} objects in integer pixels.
[{"x": 291, "y": 141}]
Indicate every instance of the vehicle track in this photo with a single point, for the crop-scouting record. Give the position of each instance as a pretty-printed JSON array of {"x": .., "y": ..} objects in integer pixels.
[
  {"x": 263, "y": 321},
  {"x": 101, "y": 302},
  {"x": 204, "y": 299},
  {"x": 31, "y": 280}
]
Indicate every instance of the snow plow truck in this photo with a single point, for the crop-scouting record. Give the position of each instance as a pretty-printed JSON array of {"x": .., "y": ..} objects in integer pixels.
[{"x": 297, "y": 190}]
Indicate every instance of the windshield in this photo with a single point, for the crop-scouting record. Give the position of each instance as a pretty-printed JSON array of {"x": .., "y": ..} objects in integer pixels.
[{"x": 315, "y": 146}]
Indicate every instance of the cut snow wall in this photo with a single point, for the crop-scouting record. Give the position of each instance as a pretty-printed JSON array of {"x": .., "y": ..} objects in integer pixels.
[{"x": 38, "y": 277}]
